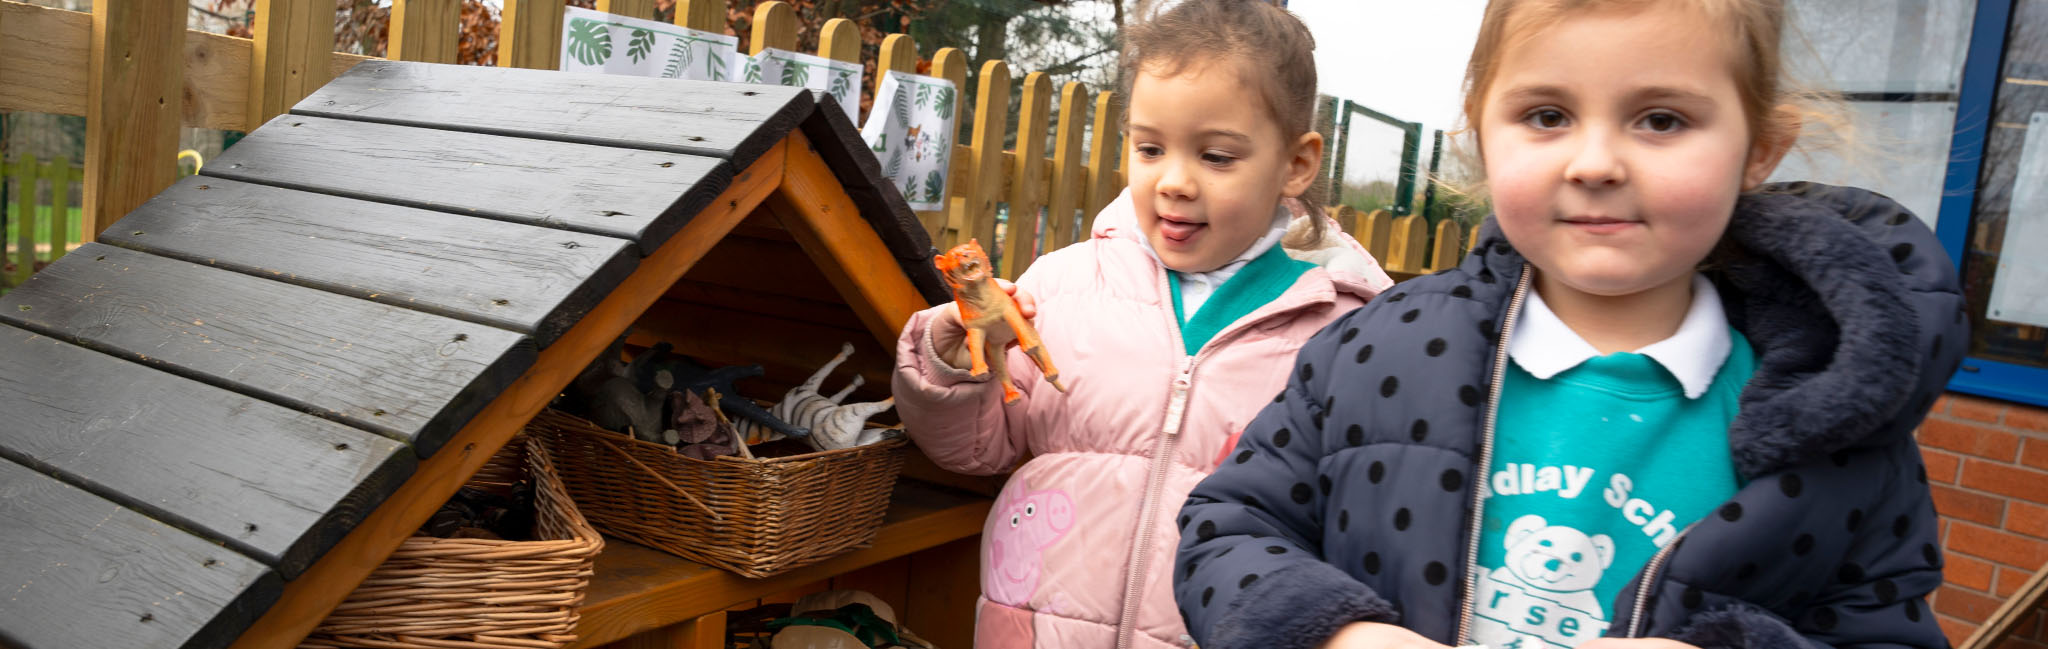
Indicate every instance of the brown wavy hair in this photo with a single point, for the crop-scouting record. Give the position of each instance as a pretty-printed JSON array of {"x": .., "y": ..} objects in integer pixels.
[{"x": 1253, "y": 35}]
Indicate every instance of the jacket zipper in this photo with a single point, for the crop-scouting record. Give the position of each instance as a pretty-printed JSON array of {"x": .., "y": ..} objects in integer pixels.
[
  {"x": 1500, "y": 364},
  {"x": 1162, "y": 454},
  {"x": 1651, "y": 572}
]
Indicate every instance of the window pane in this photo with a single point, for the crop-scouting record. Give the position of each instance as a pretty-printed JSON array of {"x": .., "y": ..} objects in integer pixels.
[
  {"x": 2004, "y": 272},
  {"x": 1897, "y": 63}
]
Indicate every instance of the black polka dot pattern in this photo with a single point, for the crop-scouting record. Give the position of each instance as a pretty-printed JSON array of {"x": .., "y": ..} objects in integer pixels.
[
  {"x": 1372, "y": 563},
  {"x": 1281, "y": 437},
  {"x": 1731, "y": 512},
  {"x": 1912, "y": 610},
  {"x": 1207, "y": 594},
  {"x": 1354, "y": 435},
  {"x": 1401, "y": 519},
  {"x": 1244, "y": 456},
  {"x": 1390, "y": 386},
  {"x": 1461, "y": 291},
  {"x": 1349, "y": 334},
  {"x": 1323, "y": 484},
  {"x": 1802, "y": 545},
  {"x": 1376, "y": 472},
  {"x": 1419, "y": 430},
  {"x": 1344, "y": 521},
  {"x": 1435, "y": 347},
  {"x": 1302, "y": 493},
  {"x": 1791, "y": 485},
  {"x": 1902, "y": 525},
  {"x": 1932, "y": 555},
  {"x": 1469, "y": 395},
  {"x": 1435, "y": 573},
  {"x": 1364, "y": 354},
  {"x": 1887, "y": 590},
  {"x": 1308, "y": 372},
  {"x": 1275, "y": 549},
  {"x": 1901, "y": 252},
  {"x": 1206, "y": 531},
  {"x": 1411, "y": 315},
  {"x": 1452, "y": 480},
  {"x": 1184, "y": 522},
  {"x": 1246, "y": 582}
]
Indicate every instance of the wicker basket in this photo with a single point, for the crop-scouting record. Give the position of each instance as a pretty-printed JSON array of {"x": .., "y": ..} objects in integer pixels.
[
  {"x": 436, "y": 593},
  {"x": 772, "y": 514}
]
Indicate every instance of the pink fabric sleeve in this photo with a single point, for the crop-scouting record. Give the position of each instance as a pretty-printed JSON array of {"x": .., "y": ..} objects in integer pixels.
[{"x": 957, "y": 419}]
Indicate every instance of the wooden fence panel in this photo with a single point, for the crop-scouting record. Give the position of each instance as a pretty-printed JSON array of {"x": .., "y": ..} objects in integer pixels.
[
  {"x": 1068, "y": 169},
  {"x": 839, "y": 40},
  {"x": 1346, "y": 217},
  {"x": 1448, "y": 250},
  {"x": 1410, "y": 241},
  {"x": 1375, "y": 232},
  {"x": 1104, "y": 150},
  {"x": 628, "y": 8},
  {"x": 774, "y": 26},
  {"x": 1027, "y": 183},
  {"x": 24, "y": 244},
  {"x": 428, "y": 31},
  {"x": 530, "y": 34},
  {"x": 701, "y": 15},
  {"x": 62, "y": 232},
  {"x": 951, "y": 64},
  {"x": 977, "y": 216}
]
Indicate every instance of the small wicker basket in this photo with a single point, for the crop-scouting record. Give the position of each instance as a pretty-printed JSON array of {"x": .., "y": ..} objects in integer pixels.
[
  {"x": 754, "y": 517},
  {"x": 435, "y": 593}
]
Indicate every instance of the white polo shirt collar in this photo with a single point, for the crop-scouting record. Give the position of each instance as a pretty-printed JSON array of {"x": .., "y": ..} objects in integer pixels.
[{"x": 1544, "y": 346}]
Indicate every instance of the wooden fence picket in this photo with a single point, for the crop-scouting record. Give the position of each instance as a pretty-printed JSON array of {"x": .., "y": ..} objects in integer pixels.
[
  {"x": 1027, "y": 182},
  {"x": 976, "y": 216},
  {"x": 1068, "y": 168}
]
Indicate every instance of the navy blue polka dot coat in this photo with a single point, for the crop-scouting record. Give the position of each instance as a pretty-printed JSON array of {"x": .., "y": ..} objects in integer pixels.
[{"x": 1351, "y": 498}]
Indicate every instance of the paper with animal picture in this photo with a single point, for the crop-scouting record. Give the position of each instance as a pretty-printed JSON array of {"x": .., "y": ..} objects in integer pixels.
[
  {"x": 910, "y": 129},
  {"x": 594, "y": 41},
  {"x": 841, "y": 79}
]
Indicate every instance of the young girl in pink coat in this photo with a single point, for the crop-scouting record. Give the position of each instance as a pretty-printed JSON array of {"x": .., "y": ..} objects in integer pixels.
[{"x": 1171, "y": 327}]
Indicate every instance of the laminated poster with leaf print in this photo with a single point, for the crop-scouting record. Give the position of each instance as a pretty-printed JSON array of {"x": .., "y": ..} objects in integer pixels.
[
  {"x": 910, "y": 131},
  {"x": 841, "y": 79},
  {"x": 594, "y": 41}
]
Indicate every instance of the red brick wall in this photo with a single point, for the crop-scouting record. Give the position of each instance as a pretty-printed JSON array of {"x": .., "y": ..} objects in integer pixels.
[{"x": 1987, "y": 462}]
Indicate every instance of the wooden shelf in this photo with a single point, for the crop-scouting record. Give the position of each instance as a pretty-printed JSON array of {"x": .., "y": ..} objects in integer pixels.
[{"x": 641, "y": 589}]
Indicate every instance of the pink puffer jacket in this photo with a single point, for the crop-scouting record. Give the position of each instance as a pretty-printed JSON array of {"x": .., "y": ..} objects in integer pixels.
[{"x": 1077, "y": 550}]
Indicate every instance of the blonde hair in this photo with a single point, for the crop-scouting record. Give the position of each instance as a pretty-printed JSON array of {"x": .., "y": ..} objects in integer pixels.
[
  {"x": 1171, "y": 37},
  {"x": 1774, "y": 104}
]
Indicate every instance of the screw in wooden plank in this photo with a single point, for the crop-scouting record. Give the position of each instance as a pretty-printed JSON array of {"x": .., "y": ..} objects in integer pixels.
[{"x": 341, "y": 447}]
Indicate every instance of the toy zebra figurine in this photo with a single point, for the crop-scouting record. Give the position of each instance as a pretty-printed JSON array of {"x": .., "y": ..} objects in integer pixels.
[{"x": 832, "y": 426}]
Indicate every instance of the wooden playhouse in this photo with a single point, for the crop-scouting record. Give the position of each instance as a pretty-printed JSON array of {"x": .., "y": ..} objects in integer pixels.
[{"x": 263, "y": 380}]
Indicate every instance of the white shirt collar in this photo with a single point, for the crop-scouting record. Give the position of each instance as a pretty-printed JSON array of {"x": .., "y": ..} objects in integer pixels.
[
  {"x": 1195, "y": 288},
  {"x": 1544, "y": 346}
]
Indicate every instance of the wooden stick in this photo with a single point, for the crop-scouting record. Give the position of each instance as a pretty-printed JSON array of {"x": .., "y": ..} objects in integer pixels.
[
  {"x": 2009, "y": 614},
  {"x": 657, "y": 476}
]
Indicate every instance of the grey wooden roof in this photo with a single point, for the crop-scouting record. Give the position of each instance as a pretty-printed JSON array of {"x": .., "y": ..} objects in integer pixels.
[{"x": 196, "y": 408}]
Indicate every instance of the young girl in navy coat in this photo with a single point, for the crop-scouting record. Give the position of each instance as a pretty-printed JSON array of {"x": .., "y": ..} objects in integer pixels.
[{"x": 1662, "y": 404}]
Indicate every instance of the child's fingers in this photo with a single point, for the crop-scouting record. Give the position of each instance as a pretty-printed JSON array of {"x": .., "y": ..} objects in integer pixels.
[{"x": 1026, "y": 305}]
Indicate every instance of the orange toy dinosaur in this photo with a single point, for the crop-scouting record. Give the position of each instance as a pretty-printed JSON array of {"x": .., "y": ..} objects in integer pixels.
[{"x": 983, "y": 307}]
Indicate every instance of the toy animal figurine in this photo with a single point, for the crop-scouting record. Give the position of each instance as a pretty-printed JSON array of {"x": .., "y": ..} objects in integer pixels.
[
  {"x": 832, "y": 426},
  {"x": 693, "y": 376},
  {"x": 984, "y": 307},
  {"x": 605, "y": 394}
]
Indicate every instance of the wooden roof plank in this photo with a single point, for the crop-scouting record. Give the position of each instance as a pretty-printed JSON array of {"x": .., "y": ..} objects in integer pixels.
[
  {"x": 413, "y": 377},
  {"x": 523, "y": 278},
  {"x": 644, "y": 196},
  {"x": 881, "y": 204},
  {"x": 276, "y": 485},
  {"x": 86, "y": 572},
  {"x": 736, "y": 122}
]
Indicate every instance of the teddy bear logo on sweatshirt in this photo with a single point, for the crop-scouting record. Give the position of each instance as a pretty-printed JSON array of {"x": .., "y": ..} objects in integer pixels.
[
  {"x": 1024, "y": 523},
  {"x": 1544, "y": 590}
]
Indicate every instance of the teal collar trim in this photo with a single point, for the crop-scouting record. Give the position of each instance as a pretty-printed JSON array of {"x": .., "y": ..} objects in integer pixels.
[{"x": 1264, "y": 279}]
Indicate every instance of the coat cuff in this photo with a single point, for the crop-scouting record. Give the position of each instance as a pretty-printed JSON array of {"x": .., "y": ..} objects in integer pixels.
[
  {"x": 1740, "y": 626},
  {"x": 940, "y": 372},
  {"x": 1298, "y": 607}
]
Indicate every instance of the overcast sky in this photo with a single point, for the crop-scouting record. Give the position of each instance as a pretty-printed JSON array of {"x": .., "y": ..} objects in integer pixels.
[{"x": 1399, "y": 57}]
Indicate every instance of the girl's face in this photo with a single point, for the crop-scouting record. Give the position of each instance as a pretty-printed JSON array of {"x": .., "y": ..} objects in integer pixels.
[
  {"x": 1615, "y": 144},
  {"x": 1209, "y": 164}
]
